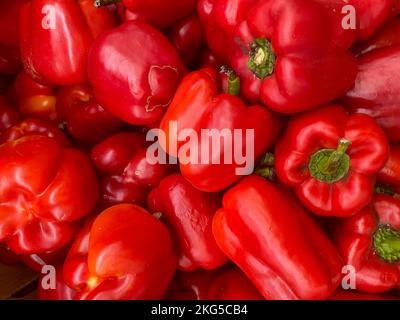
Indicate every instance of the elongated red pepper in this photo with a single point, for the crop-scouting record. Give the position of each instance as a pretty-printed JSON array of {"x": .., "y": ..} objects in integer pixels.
[
  {"x": 125, "y": 254},
  {"x": 60, "y": 31},
  {"x": 233, "y": 285},
  {"x": 188, "y": 213},
  {"x": 370, "y": 242},
  {"x": 275, "y": 242},
  {"x": 377, "y": 89},
  {"x": 134, "y": 82},
  {"x": 332, "y": 159},
  {"x": 127, "y": 176},
  {"x": 200, "y": 105},
  {"x": 86, "y": 120},
  {"x": 290, "y": 63}
]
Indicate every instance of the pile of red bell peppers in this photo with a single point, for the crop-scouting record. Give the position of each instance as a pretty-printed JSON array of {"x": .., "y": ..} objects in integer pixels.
[{"x": 317, "y": 82}]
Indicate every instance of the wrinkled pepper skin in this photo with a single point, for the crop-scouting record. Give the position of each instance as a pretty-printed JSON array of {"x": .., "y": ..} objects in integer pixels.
[
  {"x": 389, "y": 176},
  {"x": 125, "y": 254},
  {"x": 200, "y": 104},
  {"x": 45, "y": 189},
  {"x": 126, "y": 175},
  {"x": 86, "y": 120},
  {"x": 59, "y": 31},
  {"x": 188, "y": 213},
  {"x": 9, "y": 114},
  {"x": 331, "y": 159},
  {"x": 377, "y": 89},
  {"x": 370, "y": 242},
  {"x": 290, "y": 63},
  {"x": 135, "y": 83},
  {"x": 233, "y": 285},
  {"x": 276, "y": 243}
]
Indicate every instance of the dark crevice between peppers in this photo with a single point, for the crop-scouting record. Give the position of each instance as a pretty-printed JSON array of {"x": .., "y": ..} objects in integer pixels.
[{"x": 261, "y": 58}]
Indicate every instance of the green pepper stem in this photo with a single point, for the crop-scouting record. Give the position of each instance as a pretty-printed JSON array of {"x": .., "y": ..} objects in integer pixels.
[
  {"x": 158, "y": 215},
  {"x": 103, "y": 3},
  {"x": 267, "y": 173},
  {"x": 261, "y": 58},
  {"x": 387, "y": 244},
  {"x": 233, "y": 80},
  {"x": 336, "y": 157}
]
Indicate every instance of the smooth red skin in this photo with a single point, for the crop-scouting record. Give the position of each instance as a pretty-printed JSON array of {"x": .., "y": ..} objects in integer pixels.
[
  {"x": 129, "y": 253},
  {"x": 127, "y": 177},
  {"x": 66, "y": 46},
  {"x": 188, "y": 213},
  {"x": 220, "y": 18},
  {"x": 388, "y": 36},
  {"x": 61, "y": 292},
  {"x": 87, "y": 121},
  {"x": 297, "y": 84},
  {"x": 354, "y": 239},
  {"x": 160, "y": 13},
  {"x": 32, "y": 127},
  {"x": 9, "y": 115},
  {"x": 322, "y": 129},
  {"x": 276, "y": 243},
  {"x": 45, "y": 189},
  {"x": 199, "y": 104},
  {"x": 135, "y": 83},
  {"x": 233, "y": 285},
  {"x": 390, "y": 174},
  {"x": 377, "y": 90},
  {"x": 188, "y": 37},
  {"x": 350, "y": 295}
]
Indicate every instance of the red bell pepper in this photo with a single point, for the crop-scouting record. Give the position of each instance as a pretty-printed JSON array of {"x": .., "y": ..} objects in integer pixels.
[
  {"x": 289, "y": 62},
  {"x": 331, "y": 159},
  {"x": 45, "y": 189},
  {"x": 370, "y": 242},
  {"x": 127, "y": 176},
  {"x": 377, "y": 89},
  {"x": 187, "y": 36},
  {"x": 188, "y": 213},
  {"x": 233, "y": 285},
  {"x": 134, "y": 82},
  {"x": 276, "y": 243},
  {"x": 200, "y": 105},
  {"x": 85, "y": 119},
  {"x": 389, "y": 176},
  {"x": 389, "y": 36},
  {"x": 9, "y": 115},
  {"x": 60, "y": 31},
  {"x": 34, "y": 99},
  {"x": 159, "y": 13},
  {"x": 60, "y": 292},
  {"x": 125, "y": 254}
]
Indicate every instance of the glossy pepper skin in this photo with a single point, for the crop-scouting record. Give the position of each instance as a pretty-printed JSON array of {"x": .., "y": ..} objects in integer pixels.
[
  {"x": 134, "y": 82},
  {"x": 60, "y": 31},
  {"x": 85, "y": 119},
  {"x": 290, "y": 63},
  {"x": 200, "y": 104},
  {"x": 125, "y": 254},
  {"x": 45, "y": 189},
  {"x": 370, "y": 241},
  {"x": 188, "y": 213},
  {"x": 376, "y": 91},
  {"x": 126, "y": 175},
  {"x": 331, "y": 159},
  {"x": 233, "y": 285},
  {"x": 276, "y": 243}
]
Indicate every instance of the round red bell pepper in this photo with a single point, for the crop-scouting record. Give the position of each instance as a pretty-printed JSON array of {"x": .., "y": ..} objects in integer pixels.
[
  {"x": 45, "y": 189},
  {"x": 9, "y": 115},
  {"x": 331, "y": 159},
  {"x": 200, "y": 105},
  {"x": 233, "y": 285},
  {"x": 134, "y": 82},
  {"x": 289, "y": 62},
  {"x": 276, "y": 243},
  {"x": 187, "y": 36},
  {"x": 127, "y": 176},
  {"x": 370, "y": 242},
  {"x": 126, "y": 253},
  {"x": 60, "y": 31},
  {"x": 188, "y": 213},
  {"x": 377, "y": 89},
  {"x": 85, "y": 119}
]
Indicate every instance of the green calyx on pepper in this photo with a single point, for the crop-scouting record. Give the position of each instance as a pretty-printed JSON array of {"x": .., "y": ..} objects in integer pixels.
[
  {"x": 261, "y": 58},
  {"x": 387, "y": 244},
  {"x": 233, "y": 80},
  {"x": 331, "y": 165},
  {"x": 266, "y": 167}
]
